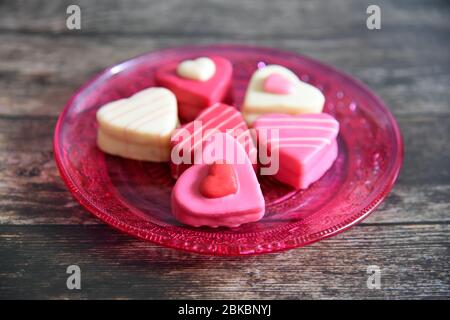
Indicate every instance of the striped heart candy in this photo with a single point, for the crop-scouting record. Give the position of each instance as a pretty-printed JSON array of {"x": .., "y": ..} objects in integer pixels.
[
  {"x": 187, "y": 140},
  {"x": 304, "y": 146}
]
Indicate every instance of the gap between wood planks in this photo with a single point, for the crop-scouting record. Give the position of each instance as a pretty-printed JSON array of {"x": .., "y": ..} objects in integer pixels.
[
  {"x": 349, "y": 33},
  {"x": 417, "y": 116}
]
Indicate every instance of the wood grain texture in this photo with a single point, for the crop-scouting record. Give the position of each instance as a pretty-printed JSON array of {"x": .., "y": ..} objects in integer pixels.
[
  {"x": 198, "y": 18},
  {"x": 116, "y": 266},
  {"x": 407, "y": 62},
  {"x": 42, "y": 230},
  {"x": 36, "y": 79}
]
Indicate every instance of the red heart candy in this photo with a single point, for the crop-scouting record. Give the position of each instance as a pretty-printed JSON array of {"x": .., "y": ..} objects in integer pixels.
[
  {"x": 193, "y": 96},
  {"x": 220, "y": 181}
]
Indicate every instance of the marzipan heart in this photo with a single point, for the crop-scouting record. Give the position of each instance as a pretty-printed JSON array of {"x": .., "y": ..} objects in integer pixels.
[
  {"x": 193, "y": 92},
  {"x": 139, "y": 127},
  {"x": 265, "y": 94},
  {"x": 188, "y": 139},
  {"x": 305, "y": 145},
  {"x": 246, "y": 204}
]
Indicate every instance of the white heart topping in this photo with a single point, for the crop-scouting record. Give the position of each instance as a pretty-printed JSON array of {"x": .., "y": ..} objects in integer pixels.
[{"x": 200, "y": 69}]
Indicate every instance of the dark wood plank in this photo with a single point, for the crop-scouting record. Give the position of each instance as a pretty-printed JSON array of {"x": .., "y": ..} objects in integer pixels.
[
  {"x": 249, "y": 19},
  {"x": 413, "y": 260},
  {"x": 38, "y": 73},
  {"x": 31, "y": 190}
]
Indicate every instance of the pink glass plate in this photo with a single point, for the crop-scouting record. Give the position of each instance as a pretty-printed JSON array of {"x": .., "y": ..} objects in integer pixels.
[{"x": 134, "y": 196}]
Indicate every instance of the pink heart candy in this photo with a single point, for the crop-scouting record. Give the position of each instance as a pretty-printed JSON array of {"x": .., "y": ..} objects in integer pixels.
[
  {"x": 278, "y": 84},
  {"x": 306, "y": 145},
  {"x": 245, "y": 205}
]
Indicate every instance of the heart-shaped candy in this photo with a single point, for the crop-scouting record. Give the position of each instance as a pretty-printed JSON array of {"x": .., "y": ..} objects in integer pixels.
[
  {"x": 276, "y": 89},
  {"x": 220, "y": 181},
  {"x": 200, "y": 69},
  {"x": 304, "y": 146},
  {"x": 189, "y": 139},
  {"x": 278, "y": 84},
  {"x": 194, "y": 96},
  {"x": 192, "y": 207},
  {"x": 139, "y": 127}
]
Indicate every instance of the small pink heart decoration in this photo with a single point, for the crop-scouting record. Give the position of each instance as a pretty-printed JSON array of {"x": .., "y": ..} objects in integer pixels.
[{"x": 278, "y": 84}]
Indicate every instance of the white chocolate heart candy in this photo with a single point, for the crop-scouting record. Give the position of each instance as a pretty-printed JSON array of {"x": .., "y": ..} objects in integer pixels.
[
  {"x": 139, "y": 127},
  {"x": 301, "y": 98},
  {"x": 200, "y": 69}
]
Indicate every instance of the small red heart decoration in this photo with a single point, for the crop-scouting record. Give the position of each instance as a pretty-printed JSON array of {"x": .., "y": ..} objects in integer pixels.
[{"x": 220, "y": 182}]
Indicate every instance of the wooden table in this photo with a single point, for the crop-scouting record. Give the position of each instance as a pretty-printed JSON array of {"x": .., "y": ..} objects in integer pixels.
[{"x": 43, "y": 230}]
